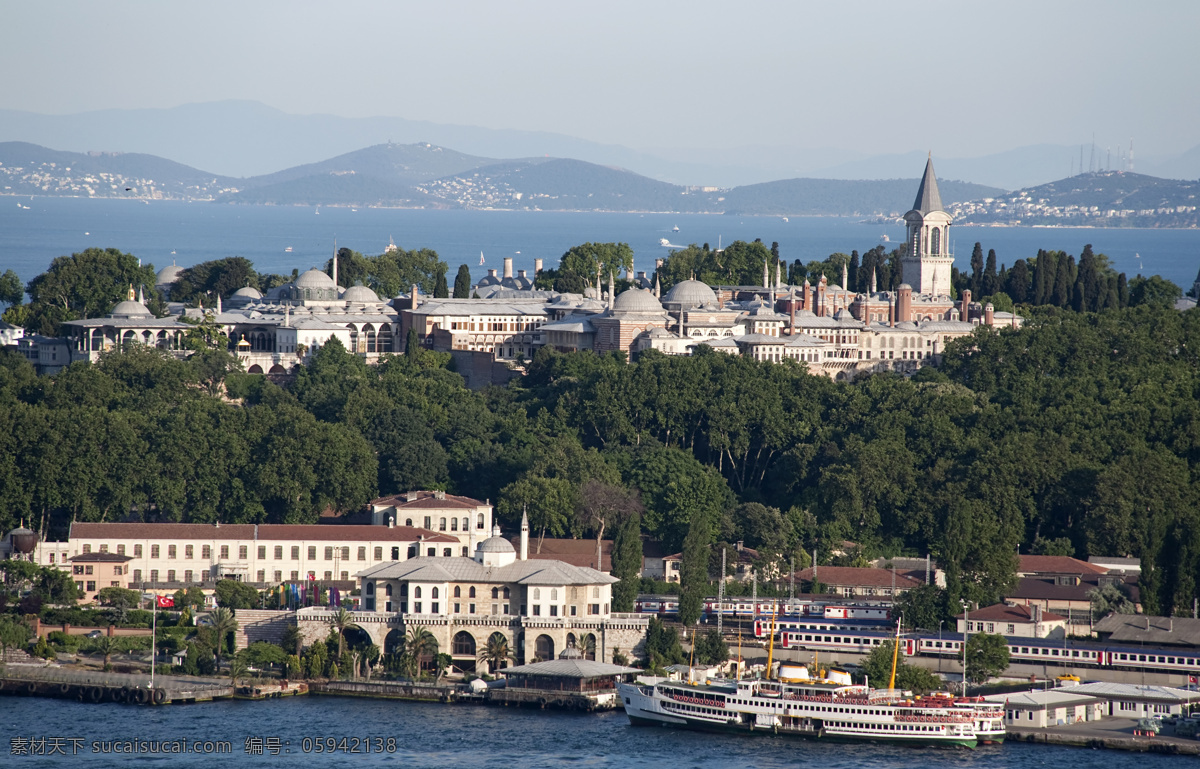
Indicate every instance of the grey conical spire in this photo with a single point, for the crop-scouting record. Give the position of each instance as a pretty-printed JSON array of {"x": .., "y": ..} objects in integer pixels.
[{"x": 928, "y": 197}]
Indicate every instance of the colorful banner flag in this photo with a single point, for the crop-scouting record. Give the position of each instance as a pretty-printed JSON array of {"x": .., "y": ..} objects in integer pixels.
[{"x": 164, "y": 602}]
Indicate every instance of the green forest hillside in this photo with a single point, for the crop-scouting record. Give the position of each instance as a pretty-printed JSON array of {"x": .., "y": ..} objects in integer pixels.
[{"x": 1078, "y": 434}]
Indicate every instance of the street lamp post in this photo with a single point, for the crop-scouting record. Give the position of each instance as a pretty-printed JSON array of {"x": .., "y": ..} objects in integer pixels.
[
  {"x": 941, "y": 624},
  {"x": 966, "y": 627}
]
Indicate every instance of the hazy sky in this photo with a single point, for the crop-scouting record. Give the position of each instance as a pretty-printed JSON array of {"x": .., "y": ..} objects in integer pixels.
[{"x": 962, "y": 78}]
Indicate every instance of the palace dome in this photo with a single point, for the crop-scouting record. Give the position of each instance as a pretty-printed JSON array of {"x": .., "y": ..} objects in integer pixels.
[
  {"x": 495, "y": 545},
  {"x": 637, "y": 300},
  {"x": 690, "y": 293},
  {"x": 314, "y": 278},
  {"x": 168, "y": 275},
  {"x": 131, "y": 308},
  {"x": 249, "y": 292},
  {"x": 359, "y": 294}
]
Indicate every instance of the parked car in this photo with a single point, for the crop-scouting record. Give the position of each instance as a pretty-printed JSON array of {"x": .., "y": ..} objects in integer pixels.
[{"x": 95, "y": 634}]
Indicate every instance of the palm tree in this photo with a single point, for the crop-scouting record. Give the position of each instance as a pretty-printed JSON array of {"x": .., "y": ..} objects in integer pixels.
[
  {"x": 588, "y": 647},
  {"x": 341, "y": 622},
  {"x": 419, "y": 644},
  {"x": 495, "y": 651},
  {"x": 108, "y": 645},
  {"x": 355, "y": 658},
  {"x": 237, "y": 669},
  {"x": 223, "y": 623}
]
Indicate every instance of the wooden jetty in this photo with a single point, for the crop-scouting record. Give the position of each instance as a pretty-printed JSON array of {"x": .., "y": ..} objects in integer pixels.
[{"x": 127, "y": 688}]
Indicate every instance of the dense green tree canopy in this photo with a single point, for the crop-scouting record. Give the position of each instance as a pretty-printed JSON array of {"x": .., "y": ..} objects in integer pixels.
[{"x": 87, "y": 284}]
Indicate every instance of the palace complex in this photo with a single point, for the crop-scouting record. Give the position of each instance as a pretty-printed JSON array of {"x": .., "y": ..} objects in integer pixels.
[{"x": 830, "y": 330}]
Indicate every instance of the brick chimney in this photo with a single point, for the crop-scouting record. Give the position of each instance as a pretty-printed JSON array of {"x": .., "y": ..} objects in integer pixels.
[
  {"x": 964, "y": 312},
  {"x": 508, "y": 266},
  {"x": 904, "y": 303},
  {"x": 537, "y": 266},
  {"x": 988, "y": 314}
]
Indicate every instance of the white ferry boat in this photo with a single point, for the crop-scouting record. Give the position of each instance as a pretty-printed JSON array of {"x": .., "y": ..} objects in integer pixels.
[{"x": 830, "y": 708}]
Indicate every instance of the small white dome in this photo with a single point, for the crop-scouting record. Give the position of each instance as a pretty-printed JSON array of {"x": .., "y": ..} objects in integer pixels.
[
  {"x": 314, "y": 278},
  {"x": 637, "y": 300},
  {"x": 168, "y": 275},
  {"x": 690, "y": 293},
  {"x": 131, "y": 308}
]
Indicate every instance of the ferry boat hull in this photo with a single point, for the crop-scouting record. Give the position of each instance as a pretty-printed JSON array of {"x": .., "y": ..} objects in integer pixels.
[{"x": 645, "y": 707}]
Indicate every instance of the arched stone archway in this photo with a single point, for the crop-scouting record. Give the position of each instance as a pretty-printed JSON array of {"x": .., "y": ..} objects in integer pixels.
[
  {"x": 393, "y": 641},
  {"x": 543, "y": 647},
  {"x": 255, "y": 369},
  {"x": 277, "y": 369}
]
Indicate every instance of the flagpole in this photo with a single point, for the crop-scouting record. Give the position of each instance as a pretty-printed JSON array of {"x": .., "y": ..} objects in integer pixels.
[{"x": 153, "y": 648}]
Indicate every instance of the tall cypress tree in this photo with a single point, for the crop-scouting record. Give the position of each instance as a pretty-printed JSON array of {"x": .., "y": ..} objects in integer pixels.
[
  {"x": 627, "y": 563},
  {"x": 1061, "y": 296},
  {"x": 1041, "y": 271},
  {"x": 989, "y": 284},
  {"x": 1112, "y": 296},
  {"x": 462, "y": 282},
  {"x": 977, "y": 270},
  {"x": 1122, "y": 291},
  {"x": 440, "y": 289},
  {"x": 412, "y": 343},
  {"x": 1017, "y": 285},
  {"x": 852, "y": 274},
  {"x": 693, "y": 573}
]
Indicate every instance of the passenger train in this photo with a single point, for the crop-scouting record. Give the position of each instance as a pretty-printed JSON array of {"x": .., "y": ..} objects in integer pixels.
[{"x": 1026, "y": 650}]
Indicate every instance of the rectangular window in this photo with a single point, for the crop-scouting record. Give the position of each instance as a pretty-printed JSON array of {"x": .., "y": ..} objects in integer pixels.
[
  {"x": 77, "y": 569},
  {"x": 206, "y": 552},
  {"x": 595, "y": 608},
  {"x": 346, "y": 553},
  {"x": 187, "y": 575},
  {"x": 278, "y": 576},
  {"x": 224, "y": 552},
  {"x": 189, "y": 552},
  {"x": 154, "y": 575},
  {"x": 345, "y": 576},
  {"x": 537, "y": 610},
  {"x": 153, "y": 551},
  {"x": 91, "y": 586},
  {"x": 52, "y": 558},
  {"x": 295, "y": 576},
  {"x": 104, "y": 548},
  {"x": 572, "y": 611},
  {"x": 457, "y": 608},
  {"x": 554, "y": 610},
  {"x": 262, "y": 576},
  {"x": 379, "y": 553},
  {"x": 87, "y": 569},
  {"x": 312, "y": 552},
  {"x": 137, "y": 575},
  {"x": 328, "y": 576},
  {"x": 279, "y": 552},
  {"x": 295, "y": 552},
  {"x": 433, "y": 608},
  {"x": 395, "y": 554},
  {"x": 470, "y": 608},
  {"x": 120, "y": 551},
  {"x": 428, "y": 522},
  {"x": 262, "y": 553},
  {"x": 87, "y": 548},
  {"x": 506, "y": 608},
  {"x": 172, "y": 552},
  {"x": 170, "y": 575},
  {"x": 417, "y": 607},
  {"x": 242, "y": 550},
  {"x": 362, "y": 553}
]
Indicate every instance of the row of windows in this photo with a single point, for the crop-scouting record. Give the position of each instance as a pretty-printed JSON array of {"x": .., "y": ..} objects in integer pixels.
[
  {"x": 330, "y": 553},
  {"x": 189, "y": 576}
]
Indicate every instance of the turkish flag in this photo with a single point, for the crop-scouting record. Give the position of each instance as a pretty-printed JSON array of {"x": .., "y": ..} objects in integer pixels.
[{"x": 164, "y": 602}]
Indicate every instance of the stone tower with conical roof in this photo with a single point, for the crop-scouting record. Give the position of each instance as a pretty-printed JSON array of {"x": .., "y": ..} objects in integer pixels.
[{"x": 928, "y": 262}]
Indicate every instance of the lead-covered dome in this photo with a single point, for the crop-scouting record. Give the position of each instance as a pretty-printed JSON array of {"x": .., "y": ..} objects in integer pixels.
[
  {"x": 168, "y": 275},
  {"x": 359, "y": 294},
  {"x": 131, "y": 308},
  {"x": 495, "y": 545},
  {"x": 637, "y": 300},
  {"x": 314, "y": 278},
  {"x": 690, "y": 293}
]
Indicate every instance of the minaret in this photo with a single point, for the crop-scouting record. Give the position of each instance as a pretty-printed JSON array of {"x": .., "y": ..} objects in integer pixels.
[
  {"x": 335, "y": 283},
  {"x": 874, "y": 281},
  {"x": 524, "y": 535},
  {"x": 612, "y": 292},
  {"x": 766, "y": 275},
  {"x": 142, "y": 294},
  {"x": 657, "y": 286},
  {"x": 219, "y": 310},
  {"x": 845, "y": 278},
  {"x": 777, "y": 281}
]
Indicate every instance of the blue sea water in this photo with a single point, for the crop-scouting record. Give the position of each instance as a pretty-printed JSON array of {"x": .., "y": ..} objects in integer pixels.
[
  {"x": 162, "y": 232},
  {"x": 430, "y": 735}
]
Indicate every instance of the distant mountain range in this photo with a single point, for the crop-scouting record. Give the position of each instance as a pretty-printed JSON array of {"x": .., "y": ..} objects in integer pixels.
[
  {"x": 424, "y": 175},
  {"x": 243, "y": 139}
]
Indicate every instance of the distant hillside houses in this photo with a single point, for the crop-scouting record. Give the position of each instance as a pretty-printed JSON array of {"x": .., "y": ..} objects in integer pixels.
[{"x": 825, "y": 328}]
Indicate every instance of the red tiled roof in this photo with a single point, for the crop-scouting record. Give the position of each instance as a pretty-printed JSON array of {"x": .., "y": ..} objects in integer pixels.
[
  {"x": 1002, "y": 612},
  {"x": 577, "y": 552},
  {"x": 100, "y": 558},
  {"x": 427, "y": 500},
  {"x": 245, "y": 531},
  {"x": 1057, "y": 564},
  {"x": 855, "y": 576}
]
